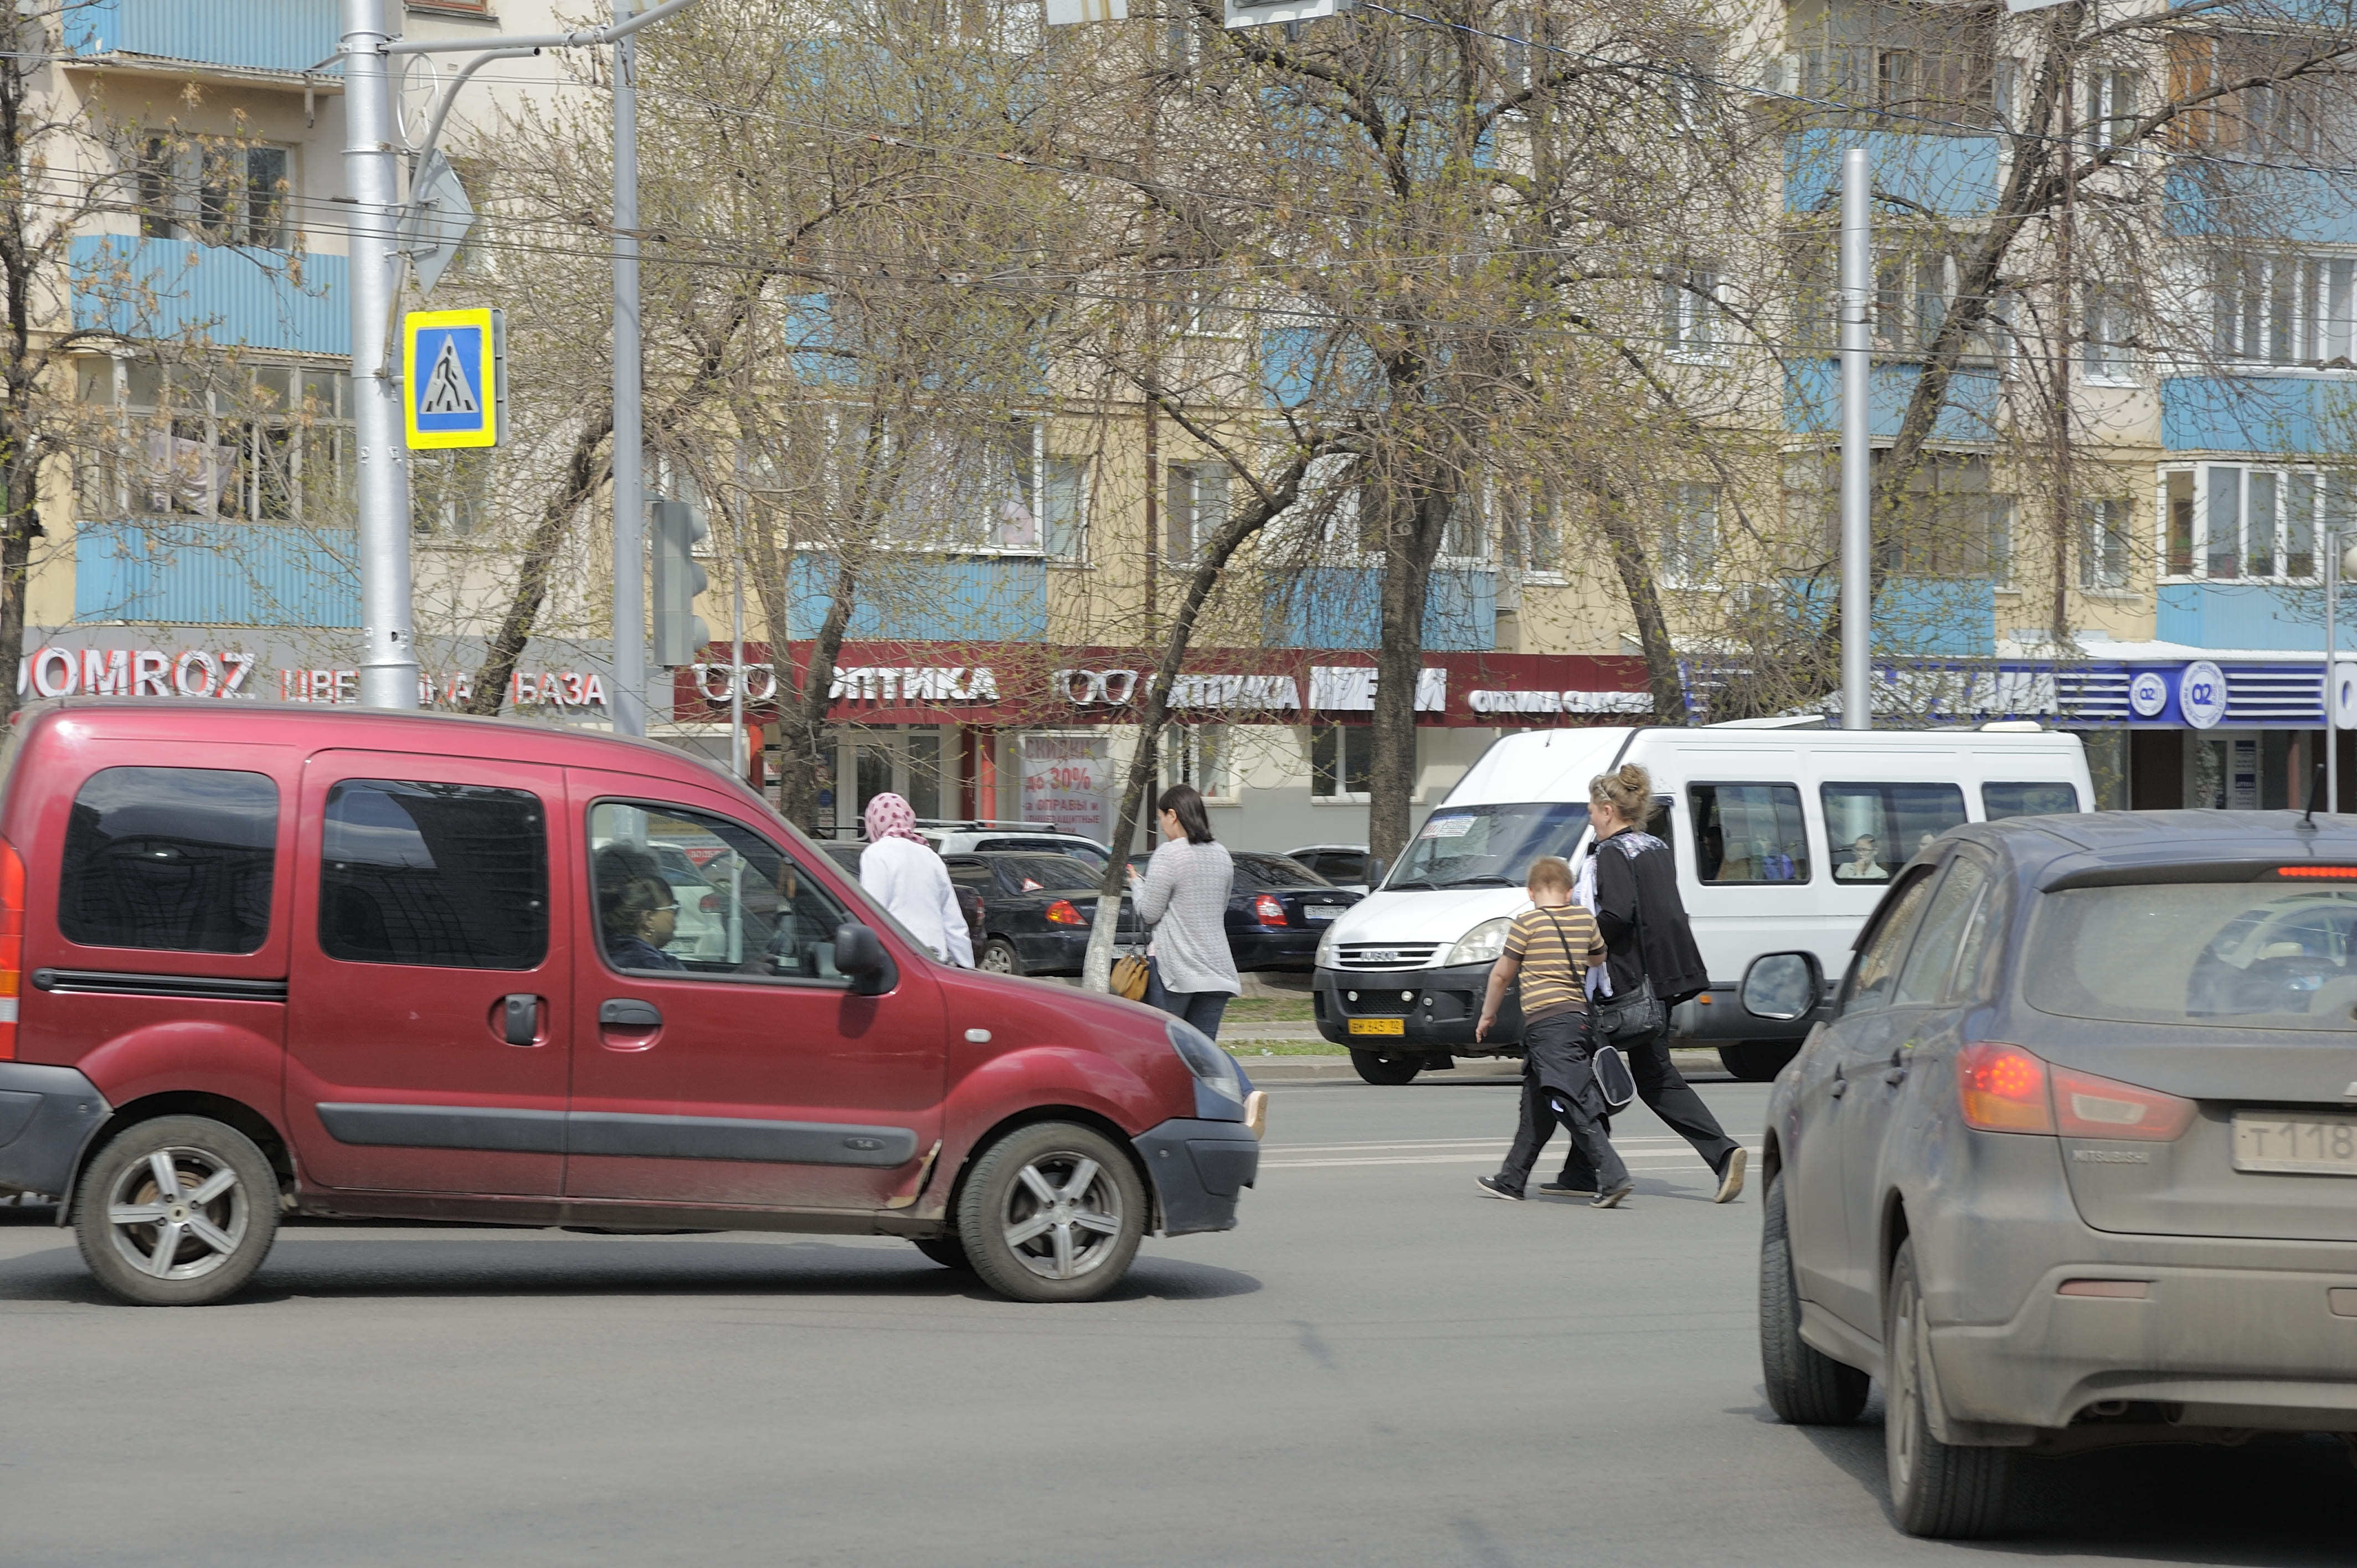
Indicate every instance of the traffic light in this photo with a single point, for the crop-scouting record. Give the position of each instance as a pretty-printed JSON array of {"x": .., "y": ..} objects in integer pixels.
[{"x": 679, "y": 632}]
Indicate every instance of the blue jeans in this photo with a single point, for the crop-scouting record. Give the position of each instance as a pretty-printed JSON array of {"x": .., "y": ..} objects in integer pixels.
[{"x": 1201, "y": 1008}]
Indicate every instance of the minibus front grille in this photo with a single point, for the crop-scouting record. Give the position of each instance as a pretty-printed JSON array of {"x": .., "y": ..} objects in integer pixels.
[{"x": 1386, "y": 955}]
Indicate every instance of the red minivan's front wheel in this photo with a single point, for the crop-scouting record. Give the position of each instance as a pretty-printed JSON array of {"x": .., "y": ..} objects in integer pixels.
[
  {"x": 1052, "y": 1212},
  {"x": 178, "y": 1211}
]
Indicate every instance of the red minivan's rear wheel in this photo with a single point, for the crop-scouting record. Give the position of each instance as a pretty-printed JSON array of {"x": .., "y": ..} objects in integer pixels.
[
  {"x": 178, "y": 1211},
  {"x": 1052, "y": 1212}
]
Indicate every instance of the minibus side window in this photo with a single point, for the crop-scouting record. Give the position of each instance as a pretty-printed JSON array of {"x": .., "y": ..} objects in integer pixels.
[
  {"x": 449, "y": 876},
  {"x": 1749, "y": 833},
  {"x": 1999, "y": 801},
  {"x": 1872, "y": 830},
  {"x": 174, "y": 859}
]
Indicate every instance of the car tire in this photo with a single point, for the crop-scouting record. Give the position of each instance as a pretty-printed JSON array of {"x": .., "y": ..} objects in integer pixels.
[
  {"x": 1805, "y": 1386},
  {"x": 945, "y": 1249},
  {"x": 1938, "y": 1490},
  {"x": 197, "y": 1244},
  {"x": 998, "y": 957},
  {"x": 1758, "y": 1061},
  {"x": 1390, "y": 1071},
  {"x": 1053, "y": 1211}
]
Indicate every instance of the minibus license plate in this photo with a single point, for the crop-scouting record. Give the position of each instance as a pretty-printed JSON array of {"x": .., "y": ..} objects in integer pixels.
[
  {"x": 1379, "y": 1026},
  {"x": 2312, "y": 1146}
]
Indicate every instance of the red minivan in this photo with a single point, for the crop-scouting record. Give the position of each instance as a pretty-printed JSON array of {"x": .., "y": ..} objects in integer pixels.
[{"x": 260, "y": 961}]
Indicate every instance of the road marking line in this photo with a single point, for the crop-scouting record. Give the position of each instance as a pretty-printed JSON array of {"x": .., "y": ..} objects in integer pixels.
[{"x": 1639, "y": 1157}]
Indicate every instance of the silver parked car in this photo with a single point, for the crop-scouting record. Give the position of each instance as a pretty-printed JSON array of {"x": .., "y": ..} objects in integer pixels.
[{"x": 2070, "y": 1160}]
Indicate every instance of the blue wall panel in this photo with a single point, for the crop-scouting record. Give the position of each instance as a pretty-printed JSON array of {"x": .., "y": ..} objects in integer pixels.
[
  {"x": 2248, "y": 616},
  {"x": 2258, "y": 413},
  {"x": 230, "y": 294},
  {"x": 197, "y": 571},
  {"x": 266, "y": 35},
  {"x": 982, "y": 599},
  {"x": 1955, "y": 177},
  {"x": 1812, "y": 401},
  {"x": 1341, "y": 607},
  {"x": 1939, "y": 618}
]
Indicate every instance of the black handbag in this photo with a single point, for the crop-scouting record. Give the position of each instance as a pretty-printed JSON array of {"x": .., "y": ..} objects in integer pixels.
[{"x": 1633, "y": 1016}]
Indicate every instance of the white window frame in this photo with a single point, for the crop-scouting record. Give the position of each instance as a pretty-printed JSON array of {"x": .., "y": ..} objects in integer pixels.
[
  {"x": 1676, "y": 565},
  {"x": 2321, "y": 314},
  {"x": 2107, "y": 352},
  {"x": 2289, "y": 480},
  {"x": 1692, "y": 301}
]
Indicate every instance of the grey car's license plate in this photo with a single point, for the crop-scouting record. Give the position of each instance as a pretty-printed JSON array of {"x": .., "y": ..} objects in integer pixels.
[{"x": 2313, "y": 1145}]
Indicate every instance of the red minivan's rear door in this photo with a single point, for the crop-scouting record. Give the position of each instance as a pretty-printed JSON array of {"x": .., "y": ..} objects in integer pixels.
[
  {"x": 718, "y": 1057},
  {"x": 429, "y": 1002}
]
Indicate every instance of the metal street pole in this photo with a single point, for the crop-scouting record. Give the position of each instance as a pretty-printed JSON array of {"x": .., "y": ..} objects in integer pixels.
[
  {"x": 388, "y": 657},
  {"x": 2331, "y": 674},
  {"x": 1856, "y": 440},
  {"x": 629, "y": 708}
]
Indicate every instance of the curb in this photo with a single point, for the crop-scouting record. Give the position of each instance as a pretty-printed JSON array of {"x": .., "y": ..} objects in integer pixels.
[{"x": 1696, "y": 1066}]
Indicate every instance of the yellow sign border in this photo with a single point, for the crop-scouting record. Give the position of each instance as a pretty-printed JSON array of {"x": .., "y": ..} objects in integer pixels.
[{"x": 418, "y": 321}]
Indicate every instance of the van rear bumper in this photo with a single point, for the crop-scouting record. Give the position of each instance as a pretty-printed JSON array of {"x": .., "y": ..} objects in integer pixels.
[
  {"x": 47, "y": 1117},
  {"x": 1200, "y": 1170}
]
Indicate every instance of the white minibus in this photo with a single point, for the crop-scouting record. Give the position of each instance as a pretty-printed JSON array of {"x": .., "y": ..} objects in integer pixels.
[{"x": 1785, "y": 839}]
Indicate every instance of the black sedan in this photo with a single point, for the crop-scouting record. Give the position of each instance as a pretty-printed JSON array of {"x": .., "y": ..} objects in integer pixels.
[
  {"x": 1276, "y": 911},
  {"x": 1036, "y": 910},
  {"x": 847, "y": 855}
]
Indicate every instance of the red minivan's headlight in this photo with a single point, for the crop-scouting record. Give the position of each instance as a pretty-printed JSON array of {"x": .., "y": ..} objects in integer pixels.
[{"x": 2004, "y": 1089}]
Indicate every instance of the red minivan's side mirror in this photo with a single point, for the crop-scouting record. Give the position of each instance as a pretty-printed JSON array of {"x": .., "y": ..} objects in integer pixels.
[{"x": 859, "y": 954}]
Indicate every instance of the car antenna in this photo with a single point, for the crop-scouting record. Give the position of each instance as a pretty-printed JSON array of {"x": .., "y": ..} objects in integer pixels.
[{"x": 2315, "y": 783}]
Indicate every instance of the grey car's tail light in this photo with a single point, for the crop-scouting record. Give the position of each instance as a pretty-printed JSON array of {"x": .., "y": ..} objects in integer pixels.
[{"x": 2004, "y": 1089}]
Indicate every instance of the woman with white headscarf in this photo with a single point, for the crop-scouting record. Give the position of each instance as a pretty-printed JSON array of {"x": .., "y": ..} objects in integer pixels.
[{"x": 901, "y": 872}]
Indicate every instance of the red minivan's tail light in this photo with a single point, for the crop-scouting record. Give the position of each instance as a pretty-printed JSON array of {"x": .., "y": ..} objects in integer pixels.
[
  {"x": 1270, "y": 910},
  {"x": 2003, "y": 1088},
  {"x": 12, "y": 944},
  {"x": 2086, "y": 1106},
  {"x": 1062, "y": 913}
]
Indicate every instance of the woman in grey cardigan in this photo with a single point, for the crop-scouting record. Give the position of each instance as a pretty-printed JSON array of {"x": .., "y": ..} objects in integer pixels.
[{"x": 1184, "y": 897}]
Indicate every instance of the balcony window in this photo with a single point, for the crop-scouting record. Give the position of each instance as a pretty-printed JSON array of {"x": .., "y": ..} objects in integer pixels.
[
  {"x": 2283, "y": 310},
  {"x": 256, "y": 443},
  {"x": 1903, "y": 61},
  {"x": 2112, "y": 107},
  {"x": 217, "y": 191},
  {"x": 1690, "y": 306},
  {"x": 1195, "y": 507},
  {"x": 2107, "y": 353},
  {"x": 2236, "y": 522}
]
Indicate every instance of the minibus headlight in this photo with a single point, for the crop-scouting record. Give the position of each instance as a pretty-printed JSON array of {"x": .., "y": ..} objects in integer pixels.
[
  {"x": 1483, "y": 944},
  {"x": 1329, "y": 946}
]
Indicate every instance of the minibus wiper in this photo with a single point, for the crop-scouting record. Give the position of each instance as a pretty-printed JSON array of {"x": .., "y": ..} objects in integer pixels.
[
  {"x": 1402, "y": 886},
  {"x": 1487, "y": 879}
]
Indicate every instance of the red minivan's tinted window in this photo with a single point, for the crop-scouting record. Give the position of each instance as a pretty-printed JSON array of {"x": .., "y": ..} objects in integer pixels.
[
  {"x": 450, "y": 876},
  {"x": 176, "y": 859}
]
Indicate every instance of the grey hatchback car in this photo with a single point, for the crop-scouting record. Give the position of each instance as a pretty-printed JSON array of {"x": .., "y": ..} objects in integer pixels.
[{"x": 2070, "y": 1159}]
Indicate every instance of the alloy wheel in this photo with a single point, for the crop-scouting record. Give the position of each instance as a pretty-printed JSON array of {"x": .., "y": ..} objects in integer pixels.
[
  {"x": 1064, "y": 1216},
  {"x": 179, "y": 1213}
]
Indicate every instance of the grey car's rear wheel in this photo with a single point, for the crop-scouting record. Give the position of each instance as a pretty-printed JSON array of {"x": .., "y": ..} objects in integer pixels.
[
  {"x": 1758, "y": 1061},
  {"x": 1376, "y": 1067},
  {"x": 1805, "y": 1386},
  {"x": 1936, "y": 1489},
  {"x": 1052, "y": 1212},
  {"x": 178, "y": 1211}
]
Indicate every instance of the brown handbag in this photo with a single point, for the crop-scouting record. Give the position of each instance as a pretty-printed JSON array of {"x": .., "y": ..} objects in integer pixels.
[{"x": 1128, "y": 978}]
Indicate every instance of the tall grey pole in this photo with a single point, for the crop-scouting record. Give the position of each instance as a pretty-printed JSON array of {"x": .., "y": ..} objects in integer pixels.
[
  {"x": 1856, "y": 441},
  {"x": 629, "y": 708},
  {"x": 2331, "y": 674},
  {"x": 388, "y": 657}
]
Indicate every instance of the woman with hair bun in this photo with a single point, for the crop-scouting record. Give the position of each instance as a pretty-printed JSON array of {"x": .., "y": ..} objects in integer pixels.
[
  {"x": 1183, "y": 898},
  {"x": 1629, "y": 883}
]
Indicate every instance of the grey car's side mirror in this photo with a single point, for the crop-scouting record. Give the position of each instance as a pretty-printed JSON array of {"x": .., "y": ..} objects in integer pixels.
[
  {"x": 1781, "y": 986},
  {"x": 859, "y": 953}
]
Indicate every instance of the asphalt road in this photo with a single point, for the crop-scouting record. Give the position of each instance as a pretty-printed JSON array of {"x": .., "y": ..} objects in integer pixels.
[{"x": 1378, "y": 1368}]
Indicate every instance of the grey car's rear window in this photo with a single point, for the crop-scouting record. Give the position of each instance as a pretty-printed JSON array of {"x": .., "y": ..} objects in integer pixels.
[{"x": 2266, "y": 955}]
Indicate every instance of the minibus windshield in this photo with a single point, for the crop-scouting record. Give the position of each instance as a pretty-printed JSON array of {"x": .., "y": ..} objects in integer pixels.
[{"x": 1487, "y": 847}]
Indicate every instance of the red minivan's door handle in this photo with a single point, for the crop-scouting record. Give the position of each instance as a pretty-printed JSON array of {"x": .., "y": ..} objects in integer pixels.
[
  {"x": 626, "y": 1023},
  {"x": 520, "y": 1018}
]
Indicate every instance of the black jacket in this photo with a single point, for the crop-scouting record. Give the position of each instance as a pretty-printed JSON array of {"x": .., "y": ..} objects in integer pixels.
[{"x": 1644, "y": 920}]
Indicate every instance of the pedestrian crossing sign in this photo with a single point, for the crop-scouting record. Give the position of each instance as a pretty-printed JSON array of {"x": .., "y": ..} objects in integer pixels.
[{"x": 451, "y": 364}]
